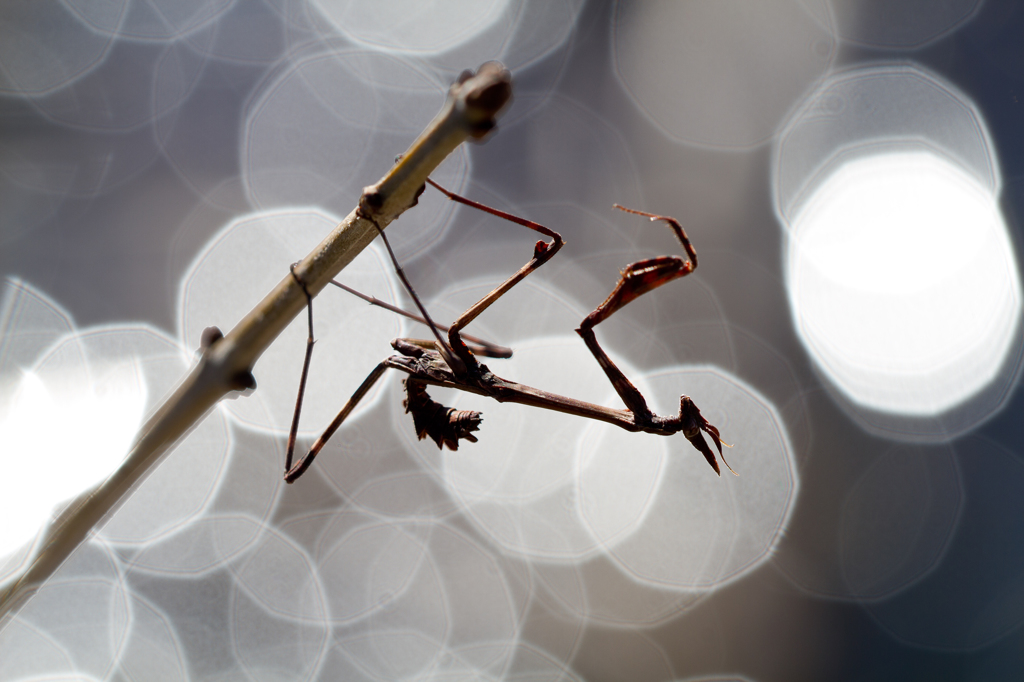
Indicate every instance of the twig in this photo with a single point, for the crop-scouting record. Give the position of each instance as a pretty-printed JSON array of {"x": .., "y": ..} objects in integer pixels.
[{"x": 226, "y": 364}]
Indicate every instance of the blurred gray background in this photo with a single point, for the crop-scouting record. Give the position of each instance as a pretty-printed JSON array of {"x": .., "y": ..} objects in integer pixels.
[{"x": 849, "y": 172}]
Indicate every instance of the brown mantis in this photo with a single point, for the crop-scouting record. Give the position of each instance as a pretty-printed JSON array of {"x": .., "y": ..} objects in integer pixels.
[{"x": 453, "y": 363}]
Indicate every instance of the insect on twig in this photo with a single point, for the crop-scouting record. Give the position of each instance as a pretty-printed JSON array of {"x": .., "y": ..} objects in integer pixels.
[{"x": 453, "y": 363}]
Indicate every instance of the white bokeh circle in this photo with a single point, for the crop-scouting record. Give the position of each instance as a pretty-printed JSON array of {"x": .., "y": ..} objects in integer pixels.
[
  {"x": 323, "y": 126},
  {"x": 88, "y": 392},
  {"x": 520, "y": 483},
  {"x": 420, "y": 28},
  {"x": 902, "y": 279},
  {"x": 903, "y": 282},
  {"x": 700, "y": 531},
  {"x": 249, "y": 257}
]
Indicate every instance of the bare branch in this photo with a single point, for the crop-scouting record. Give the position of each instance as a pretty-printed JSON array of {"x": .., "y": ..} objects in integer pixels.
[{"x": 226, "y": 364}]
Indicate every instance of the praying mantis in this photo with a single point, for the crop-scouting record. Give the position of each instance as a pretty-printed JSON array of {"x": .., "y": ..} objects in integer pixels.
[{"x": 453, "y": 363}]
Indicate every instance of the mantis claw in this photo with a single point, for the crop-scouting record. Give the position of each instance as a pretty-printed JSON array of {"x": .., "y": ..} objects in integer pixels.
[{"x": 693, "y": 423}]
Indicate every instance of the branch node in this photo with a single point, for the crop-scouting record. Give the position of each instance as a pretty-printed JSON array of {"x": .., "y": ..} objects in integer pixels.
[
  {"x": 243, "y": 381},
  {"x": 211, "y": 335},
  {"x": 372, "y": 201},
  {"x": 484, "y": 96}
]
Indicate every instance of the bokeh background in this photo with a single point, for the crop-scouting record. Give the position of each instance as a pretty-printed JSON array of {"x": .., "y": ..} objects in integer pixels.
[{"x": 850, "y": 173}]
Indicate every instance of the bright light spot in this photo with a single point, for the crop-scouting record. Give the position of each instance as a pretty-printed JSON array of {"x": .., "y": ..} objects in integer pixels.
[
  {"x": 412, "y": 25},
  {"x": 59, "y": 441},
  {"x": 903, "y": 283}
]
